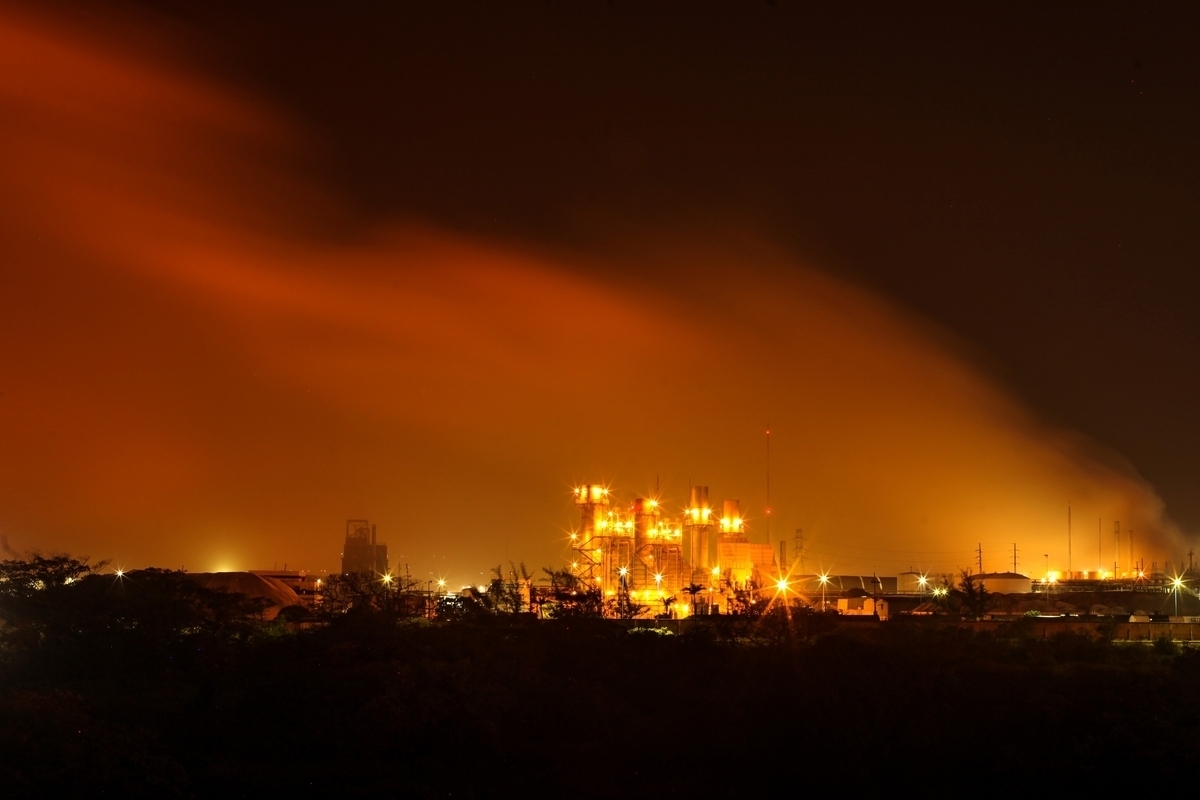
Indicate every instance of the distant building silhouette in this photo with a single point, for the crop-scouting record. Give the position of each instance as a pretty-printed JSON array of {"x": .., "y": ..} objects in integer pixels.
[{"x": 360, "y": 553}]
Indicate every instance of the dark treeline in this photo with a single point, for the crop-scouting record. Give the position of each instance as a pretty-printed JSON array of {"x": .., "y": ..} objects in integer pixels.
[{"x": 150, "y": 686}]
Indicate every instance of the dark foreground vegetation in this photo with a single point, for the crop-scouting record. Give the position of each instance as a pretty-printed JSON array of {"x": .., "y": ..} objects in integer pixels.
[{"x": 149, "y": 686}]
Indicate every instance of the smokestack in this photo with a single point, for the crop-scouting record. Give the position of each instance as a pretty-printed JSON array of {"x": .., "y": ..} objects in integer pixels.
[
  {"x": 643, "y": 512},
  {"x": 700, "y": 519},
  {"x": 731, "y": 517}
]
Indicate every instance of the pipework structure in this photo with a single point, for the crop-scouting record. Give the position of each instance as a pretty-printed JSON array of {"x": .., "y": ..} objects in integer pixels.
[{"x": 636, "y": 549}]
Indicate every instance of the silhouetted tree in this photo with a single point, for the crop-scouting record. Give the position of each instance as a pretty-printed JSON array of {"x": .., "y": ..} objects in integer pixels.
[
  {"x": 395, "y": 596},
  {"x": 972, "y": 597},
  {"x": 573, "y": 597},
  {"x": 692, "y": 590}
]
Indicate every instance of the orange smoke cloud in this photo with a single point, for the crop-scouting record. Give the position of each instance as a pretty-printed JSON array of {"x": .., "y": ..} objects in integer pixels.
[{"x": 209, "y": 363}]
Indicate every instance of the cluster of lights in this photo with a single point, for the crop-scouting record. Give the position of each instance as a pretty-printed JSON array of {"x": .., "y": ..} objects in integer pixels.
[
  {"x": 590, "y": 494},
  {"x": 664, "y": 532},
  {"x": 731, "y": 525}
]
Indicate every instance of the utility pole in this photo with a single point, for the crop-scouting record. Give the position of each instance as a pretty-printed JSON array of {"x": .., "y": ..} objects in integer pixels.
[
  {"x": 1068, "y": 540},
  {"x": 979, "y": 556},
  {"x": 798, "y": 546},
  {"x": 1014, "y": 556}
]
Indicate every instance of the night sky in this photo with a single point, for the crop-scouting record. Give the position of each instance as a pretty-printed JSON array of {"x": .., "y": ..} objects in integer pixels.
[{"x": 269, "y": 266}]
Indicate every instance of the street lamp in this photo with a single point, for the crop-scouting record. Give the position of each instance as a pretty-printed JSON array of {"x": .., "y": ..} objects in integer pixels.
[
  {"x": 922, "y": 581},
  {"x": 1176, "y": 585},
  {"x": 824, "y": 578}
]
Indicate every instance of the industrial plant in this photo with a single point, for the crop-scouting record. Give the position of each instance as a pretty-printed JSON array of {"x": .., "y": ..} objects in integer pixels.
[
  {"x": 703, "y": 563},
  {"x": 638, "y": 550},
  {"x": 632, "y": 559}
]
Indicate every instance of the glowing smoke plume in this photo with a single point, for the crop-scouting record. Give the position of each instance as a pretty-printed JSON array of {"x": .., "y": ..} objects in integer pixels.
[{"x": 208, "y": 359}]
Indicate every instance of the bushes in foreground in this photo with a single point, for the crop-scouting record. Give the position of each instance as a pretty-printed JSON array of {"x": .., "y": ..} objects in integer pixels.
[{"x": 108, "y": 698}]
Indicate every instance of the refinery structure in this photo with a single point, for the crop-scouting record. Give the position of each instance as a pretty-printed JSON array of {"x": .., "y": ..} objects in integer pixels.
[
  {"x": 638, "y": 550},
  {"x": 702, "y": 561}
]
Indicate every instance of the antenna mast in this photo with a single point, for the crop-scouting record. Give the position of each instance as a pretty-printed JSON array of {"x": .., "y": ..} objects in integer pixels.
[
  {"x": 768, "y": 483},
  {"x": 1116, "y": 547}
]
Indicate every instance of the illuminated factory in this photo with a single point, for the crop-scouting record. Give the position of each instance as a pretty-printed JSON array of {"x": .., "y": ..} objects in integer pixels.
[
  {"x": 702, "y": 562},
  {"x": 638, "y": 549}
]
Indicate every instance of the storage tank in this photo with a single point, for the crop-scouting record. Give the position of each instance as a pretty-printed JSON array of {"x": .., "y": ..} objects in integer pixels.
[{"x": 1004, "y": 582}]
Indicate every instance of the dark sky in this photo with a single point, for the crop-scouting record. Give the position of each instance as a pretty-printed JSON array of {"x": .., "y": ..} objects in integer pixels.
[{"x": 1019, "y": 182}]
